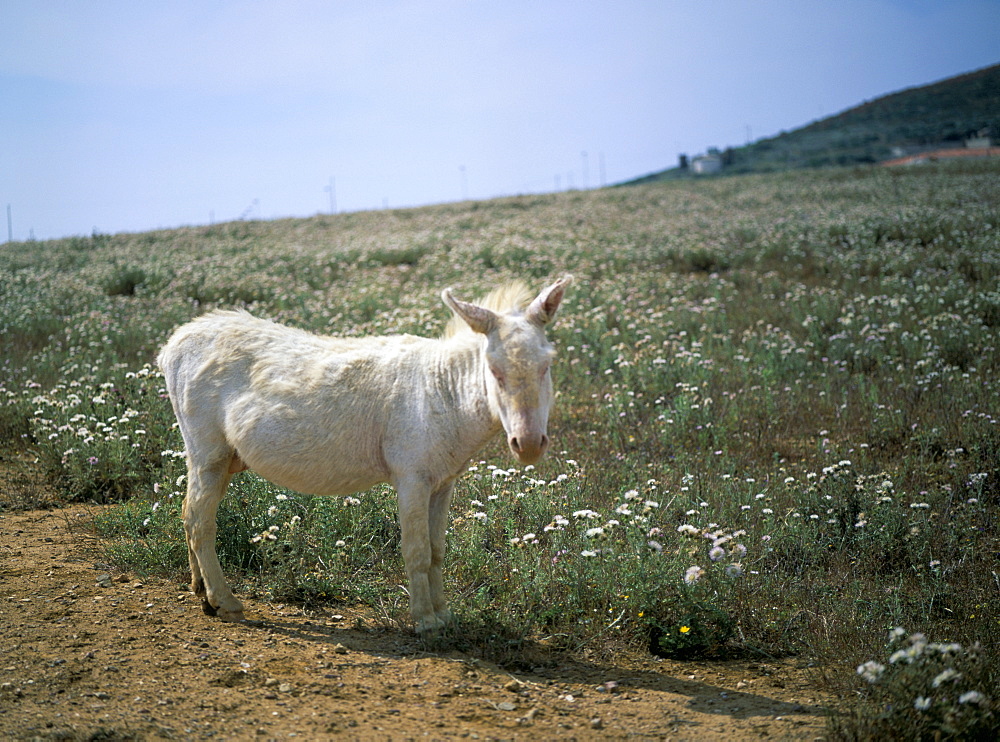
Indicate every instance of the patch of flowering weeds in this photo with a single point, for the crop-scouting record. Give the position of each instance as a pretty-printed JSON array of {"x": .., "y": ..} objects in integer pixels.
[
  {"x": 927, "y": 690},
  {"x": 838, "y": 503},
  {"x": 101, "y": 440},
  {"x": 841, "y": 509},
  {"x": 619, "y": 567},
  {"x": 311, "y": 548},
  {"x": 145, "y": 534},
  {"x": 698, "y": 618}
]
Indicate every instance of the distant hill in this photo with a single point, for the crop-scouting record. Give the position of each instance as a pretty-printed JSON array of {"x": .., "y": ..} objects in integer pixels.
[{"x": 940, "y": 115}]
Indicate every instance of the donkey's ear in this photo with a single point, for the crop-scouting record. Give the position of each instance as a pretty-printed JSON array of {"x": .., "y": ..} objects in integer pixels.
[
  {"x": 543, "y": 309},
  {"x": 480, "y": 319}
]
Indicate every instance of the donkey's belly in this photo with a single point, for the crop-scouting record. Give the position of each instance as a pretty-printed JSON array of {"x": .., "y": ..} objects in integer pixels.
[
  {"x": 330, "y": 481},
  {"x": 295, "y": 452}
]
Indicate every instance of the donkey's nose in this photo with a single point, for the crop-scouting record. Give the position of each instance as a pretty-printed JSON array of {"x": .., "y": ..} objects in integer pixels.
[{"x": 528, "y": 448}]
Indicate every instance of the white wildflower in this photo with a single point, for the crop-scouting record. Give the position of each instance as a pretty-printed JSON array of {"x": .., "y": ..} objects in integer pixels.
[
  {"x": 871, "y": 670},
  {"x": 944, "y": 676},
  {"x": 693, "y": 574},
  {"x": 972, "y": 696}
]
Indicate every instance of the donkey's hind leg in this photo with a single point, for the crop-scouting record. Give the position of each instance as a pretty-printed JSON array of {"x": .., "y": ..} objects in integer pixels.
[{"x": 206, "y": 486}]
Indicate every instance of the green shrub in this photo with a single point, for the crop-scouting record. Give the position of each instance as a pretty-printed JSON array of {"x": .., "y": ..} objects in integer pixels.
[{"x": 925, "y": 691}]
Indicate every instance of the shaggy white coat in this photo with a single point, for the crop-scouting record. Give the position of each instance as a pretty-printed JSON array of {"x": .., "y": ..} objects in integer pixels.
[{"x": 332, "y": 416}]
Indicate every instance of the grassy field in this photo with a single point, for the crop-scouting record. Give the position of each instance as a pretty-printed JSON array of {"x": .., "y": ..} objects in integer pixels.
[{"x": 776, "y": 430}]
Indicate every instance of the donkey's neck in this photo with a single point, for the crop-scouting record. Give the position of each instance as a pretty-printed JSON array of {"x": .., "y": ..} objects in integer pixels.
[{"x": 463, "y": 384}]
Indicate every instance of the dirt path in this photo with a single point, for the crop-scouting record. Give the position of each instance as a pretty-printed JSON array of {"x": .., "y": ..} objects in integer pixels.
[{"x": 87, "y": 655}]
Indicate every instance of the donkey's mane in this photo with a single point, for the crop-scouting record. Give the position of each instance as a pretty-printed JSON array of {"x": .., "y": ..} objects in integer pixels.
[{"x": 510, "y": 297}]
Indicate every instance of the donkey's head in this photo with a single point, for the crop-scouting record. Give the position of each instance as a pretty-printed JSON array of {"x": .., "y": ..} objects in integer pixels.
[{"x": 517, "y": 358}]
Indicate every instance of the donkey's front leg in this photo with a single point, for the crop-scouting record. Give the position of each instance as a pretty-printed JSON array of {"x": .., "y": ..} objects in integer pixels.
[
  {"x": 414, "y": 522},
  {"x": 440, "y": 507}
]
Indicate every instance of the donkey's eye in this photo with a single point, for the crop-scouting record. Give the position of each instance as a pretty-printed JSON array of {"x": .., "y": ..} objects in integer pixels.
[{"x": 498, "y": 375}]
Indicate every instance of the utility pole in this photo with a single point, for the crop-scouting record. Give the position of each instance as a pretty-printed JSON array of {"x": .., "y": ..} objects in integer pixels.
[
  {"x": 586, "y": 174},
  {"x": 10, "y": 226},
  {"x": 332, "y": 190}
]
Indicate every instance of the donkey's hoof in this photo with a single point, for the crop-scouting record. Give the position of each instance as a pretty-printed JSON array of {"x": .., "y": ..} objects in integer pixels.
[
  {"x": 230, "y": 616},
  {"x": 430, "y": 625},
  {"x": 233, "y": 615}
]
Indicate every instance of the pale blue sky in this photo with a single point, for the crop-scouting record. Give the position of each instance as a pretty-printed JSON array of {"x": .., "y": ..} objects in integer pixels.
[{"x": 134, "y": 115}]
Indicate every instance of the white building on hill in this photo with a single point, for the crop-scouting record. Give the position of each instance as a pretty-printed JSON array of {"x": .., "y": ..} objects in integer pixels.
[{"x": 706, "y": 164}]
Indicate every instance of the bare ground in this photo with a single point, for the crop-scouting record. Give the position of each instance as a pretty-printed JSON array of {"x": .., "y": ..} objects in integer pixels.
[{"x": 87, "y": 654}]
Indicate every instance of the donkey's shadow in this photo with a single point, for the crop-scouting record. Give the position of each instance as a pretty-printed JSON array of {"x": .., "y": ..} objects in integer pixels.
[{"x": 533, "y": 664}]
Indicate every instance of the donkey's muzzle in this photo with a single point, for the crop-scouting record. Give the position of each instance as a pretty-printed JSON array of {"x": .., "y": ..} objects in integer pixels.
[{"x": 528, "y": 448}]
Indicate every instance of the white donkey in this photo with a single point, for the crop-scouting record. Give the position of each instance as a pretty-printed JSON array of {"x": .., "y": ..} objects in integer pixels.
[{"x": 332, "y": 416}]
